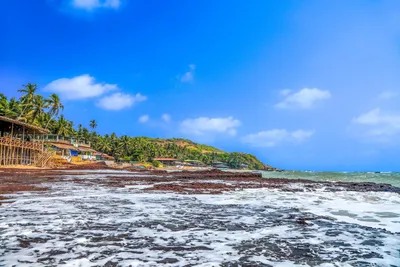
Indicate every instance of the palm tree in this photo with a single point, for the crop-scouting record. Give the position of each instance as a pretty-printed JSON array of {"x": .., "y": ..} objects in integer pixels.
[
  {"x": 85, "y": 135},
  {"x": 104, "y": 145},
  {"x": 55, "y": 106},
  {"x": 29, "y": 90},
  {"x": 38, "y": 107},
  {"x": 124, "y": 144},
  {"x": 44, "y": 120},
  {"x": 70, "y": 126},
  {"x": 63, "y": 126},
  {"x": 79, "y": 132},
  {"x": 10, "y": 108},
  {"x": 28, "y": 98},
  {"x": 93, "y": 124},
  {"x": 4, "y": 105}
]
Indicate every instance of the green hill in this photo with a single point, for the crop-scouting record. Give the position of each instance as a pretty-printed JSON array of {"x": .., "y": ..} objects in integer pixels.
[{"x": 145, "y": 149}]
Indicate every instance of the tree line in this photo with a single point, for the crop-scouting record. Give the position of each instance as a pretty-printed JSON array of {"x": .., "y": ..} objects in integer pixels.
[{"x": 37, "y": 110}]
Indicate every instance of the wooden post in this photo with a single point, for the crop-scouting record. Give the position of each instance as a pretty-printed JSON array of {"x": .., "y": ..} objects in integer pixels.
[
  {"x": 23, "y": 145},
  {"x": 13, "y": 147},
  {"x": 5, "y": 152},
  {"x": 8, "y": 144},
  {"x": 1, "y": 154},
  {"x": 9, "y": 152}
]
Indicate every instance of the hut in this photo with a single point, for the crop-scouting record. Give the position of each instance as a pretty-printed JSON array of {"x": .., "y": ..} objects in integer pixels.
[
  {"x": 220, "y": 165},
  {"x": 86, "y": 153},
  {"x": 243, "y": 166},
  {"x": 107, "y": 159},
  {"x": 194, "y": 163},
  {"x": 103, "y": 157},
  {"x": 19, "y": 143},
  {"x": 66, "y": 151},
  {"x": 67, "y": 147}
]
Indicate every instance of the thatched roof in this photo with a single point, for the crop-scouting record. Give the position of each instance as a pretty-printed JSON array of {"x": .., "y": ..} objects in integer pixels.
[
  {"x": 108, "y": 157},
  {"x": 64, "y": 146},
  {"x": 86, "y": 149},
  {"x": 33, "y": 128}
]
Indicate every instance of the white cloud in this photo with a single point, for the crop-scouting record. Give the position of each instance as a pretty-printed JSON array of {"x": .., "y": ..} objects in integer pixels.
[
  {"x": 370, "y": 118},
  {"x": 93, "y": 4},
  {"x": 79, "y": 87},
  {"x": 274, "y": 137},
  {"x": 285, "y": 92},
  {"x": 144, "y": 118},
  {"x": 119, "y": 101},
  {"x": 301, "y": 135},
  {"x": 388, "y": 95},
  {"x": 189, "y": 75},
  {"x": 379, "y": 124},
  {"x": 204, "y": 125},
  {"x": 166, "y": 117},
  {"x": 305, "y": 98}
]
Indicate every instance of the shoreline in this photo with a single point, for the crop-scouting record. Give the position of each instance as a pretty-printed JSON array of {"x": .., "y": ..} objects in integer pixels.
[
  {"x": 16, "y": 180},
  {"x": 99, "y": 216}
]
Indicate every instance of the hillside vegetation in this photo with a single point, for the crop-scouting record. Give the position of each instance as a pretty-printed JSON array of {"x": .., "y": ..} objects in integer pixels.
[
  {"x": 35, "y": 109},
  {"x": 145, "y": 149}
]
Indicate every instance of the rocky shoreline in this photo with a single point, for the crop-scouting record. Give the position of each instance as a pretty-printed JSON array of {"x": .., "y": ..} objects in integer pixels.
[
  {"x": 100, "y": 216},
  {"x": 182, "y": 182}
]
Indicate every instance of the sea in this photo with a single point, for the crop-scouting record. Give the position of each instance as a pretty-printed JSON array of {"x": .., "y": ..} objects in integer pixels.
[
  {"x": 392, "y": 178},
  {"x": 91, "y": 225}
]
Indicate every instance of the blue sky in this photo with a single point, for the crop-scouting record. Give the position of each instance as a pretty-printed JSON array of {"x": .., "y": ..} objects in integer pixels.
[{"x": 301, "y": 84}]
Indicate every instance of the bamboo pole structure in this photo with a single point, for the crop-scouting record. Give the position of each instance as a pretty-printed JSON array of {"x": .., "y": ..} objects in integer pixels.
[
  {"x": 1, "y": 154},
  {"x": 8, "y": 158},
  {"x": 22, "y": 149},
  {"x": 12, "y": 145},
  {"x": 15, "y": 150}
]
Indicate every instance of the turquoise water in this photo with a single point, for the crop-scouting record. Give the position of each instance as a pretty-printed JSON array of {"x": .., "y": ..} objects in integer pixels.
[{"x": 392, "y": 178}]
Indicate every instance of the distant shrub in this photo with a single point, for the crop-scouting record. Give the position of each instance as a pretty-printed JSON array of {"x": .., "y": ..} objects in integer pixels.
[
  {"x": 126, "y": 158},
  {"x": 156, "y": 163}
]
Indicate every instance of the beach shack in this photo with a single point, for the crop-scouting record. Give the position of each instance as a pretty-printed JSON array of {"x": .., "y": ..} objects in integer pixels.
[
  {"x": 220, "y": 165},
  {"x": 20, "y": 144},
  {"x": 103, "y": 156},
  {"x": 65, "y": 151},
  {"x": 107, "y": 159},
  {"x": 86, "y": 152},
  {"x": 194, "y": 163},
  {"x": 243, "y": 166},
  {"x": 61, "y": 145},
  {"x": 70, "y": 149}
]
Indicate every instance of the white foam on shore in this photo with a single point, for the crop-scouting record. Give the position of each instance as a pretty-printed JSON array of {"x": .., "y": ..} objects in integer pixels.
[
  {"x": 63, "y": 226},
  {"x": 373, "y": 209}
]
